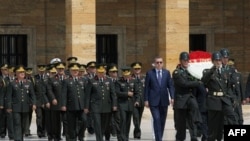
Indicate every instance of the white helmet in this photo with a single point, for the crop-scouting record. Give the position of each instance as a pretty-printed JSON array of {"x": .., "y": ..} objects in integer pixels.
[{"x": 55, "y": 60}]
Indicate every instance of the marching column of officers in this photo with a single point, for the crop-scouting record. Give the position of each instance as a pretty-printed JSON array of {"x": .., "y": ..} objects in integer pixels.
[
  {"x": 70, "y": 101},
  {"x": 93, "y": 97}
]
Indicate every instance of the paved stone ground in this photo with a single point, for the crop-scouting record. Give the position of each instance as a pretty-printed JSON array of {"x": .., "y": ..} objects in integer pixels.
[{"x": 146, "y": 127}]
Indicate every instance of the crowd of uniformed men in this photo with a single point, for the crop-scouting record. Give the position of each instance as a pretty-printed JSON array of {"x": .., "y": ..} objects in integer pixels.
[{"x": 69, "y": 100}]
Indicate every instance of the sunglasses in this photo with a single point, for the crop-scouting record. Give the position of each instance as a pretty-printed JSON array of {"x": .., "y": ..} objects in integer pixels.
[{"x": 158, "y": 62}]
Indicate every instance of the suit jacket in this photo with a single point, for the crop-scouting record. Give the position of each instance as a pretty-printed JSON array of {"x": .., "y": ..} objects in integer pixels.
[
  {"x": 20, "y": 98},
  {"x": 155, "y": 93}
]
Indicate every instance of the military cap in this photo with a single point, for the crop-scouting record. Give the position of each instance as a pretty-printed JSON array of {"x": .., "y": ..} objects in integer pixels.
[
  {"x": 4, "y": 66},
  {"x": 100, "y": 68},
  {"x": 74, "y": 66},
  {"x": 126, "y": 70},
  {"x": 60, "y": 65},
  {"x": 112, "y": 67},
  {"x": 91, "y": 64},
  {"x": 51, "y": 68},
  {"x": 216, "y": 55},
  {"x": 41, "y": 67},
  {"x": 184, "y": 56},
  {"x": 55, "y": 60},
  {"x": 72, "y": 59},
  {"x": 224, "y": 52},
  {"x": 136, "y": 65},
  {"x": 11, "y": 68},
  {"x": 19, "y": 68},
  {"x": 28, "y": 70},
  {"x": 82, "y": 67},
  {"x": 230, "y": 62}
]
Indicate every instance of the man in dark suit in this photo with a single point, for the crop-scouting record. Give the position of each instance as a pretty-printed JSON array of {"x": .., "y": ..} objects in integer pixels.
[
  {"x": 20, "y": 100},
  {"x": 158, "y": 88},
  {"x": 185, "y": 104}
]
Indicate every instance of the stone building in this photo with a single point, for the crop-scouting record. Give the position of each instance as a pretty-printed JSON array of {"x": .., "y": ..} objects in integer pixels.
[{"x": 122, "y": 31}]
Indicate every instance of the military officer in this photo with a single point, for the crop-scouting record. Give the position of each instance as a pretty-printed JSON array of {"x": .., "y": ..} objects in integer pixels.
[
  {"x": 185, "y": 106},
  {"x": 91, "y": 73},
  {"x": 40, "y": 89},
  {"x": 74, "y": 91},
  {"x": 29, "y": 76},
  {"x": 101, "y": 100},
  {"x": 127, "y": 91},
  {"x": 114, "y": 129},
  {"x": 138, "y": 111},
  {"x": 219, "y": 104},
  {"x": 3, "y": 115},
  {"x": 54, "y": 94},
  {"x": 20, "y": 96}
]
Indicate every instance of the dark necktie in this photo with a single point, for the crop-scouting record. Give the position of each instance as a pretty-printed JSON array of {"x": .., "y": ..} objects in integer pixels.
[
  {"x": 76, "y": 79},
  {"x": 159, "y": 77},
  {"x": 21, "y": 83}
]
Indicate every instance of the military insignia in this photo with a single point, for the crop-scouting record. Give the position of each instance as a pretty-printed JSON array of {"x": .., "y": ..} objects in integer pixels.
[
  {"x": 175, "y": 72},
  {"x": 71, "y": 83},
  {"x": 123, "y": 85},
  {"x": 95, "y": 83}
]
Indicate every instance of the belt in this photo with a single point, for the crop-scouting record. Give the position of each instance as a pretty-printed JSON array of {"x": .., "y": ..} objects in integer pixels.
[{"x": 218, "y": 94}]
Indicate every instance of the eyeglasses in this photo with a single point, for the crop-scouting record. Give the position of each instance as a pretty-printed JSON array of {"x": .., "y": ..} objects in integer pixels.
[{"x": 158, "y": 62}]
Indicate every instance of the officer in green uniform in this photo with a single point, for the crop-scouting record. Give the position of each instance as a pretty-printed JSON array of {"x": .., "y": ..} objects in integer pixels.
[
  {"x": 40, "y": 89},
  {"x": 138, "y": 110},
  {"x": 185, "y": 106},
  {"x": 4, "y": 79},
  {"x": 54, "y": 94},
  {"x": 74, "y": 93},
  {"x": 101, "y": 100},
  {"x": 91, "y": 73},
  {"x": 29, "y": 76},
  {"x": 20, "y": 96},
  {"x": 219, "y": 104},
  {"x": 114, "y": 128},
  {"x": 127, "y": 91}
]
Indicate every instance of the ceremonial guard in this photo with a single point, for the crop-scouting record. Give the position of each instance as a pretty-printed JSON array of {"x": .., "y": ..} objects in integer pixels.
[
  {"x": 54, "y": 95},
  {"x": 237, "y": 89},
  {"x": 20, "y": 97},
  {"x": 127, "y": 91},
  {"x": 185, "y": 106},
  {"x": 138, "y": 110},
  {"x": 219, "y": 104},
  {"x": 41, "y": 80},
  {"x": 73, "y": 96}
]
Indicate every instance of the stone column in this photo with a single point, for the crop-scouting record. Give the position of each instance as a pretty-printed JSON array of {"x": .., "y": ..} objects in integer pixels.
[
  {"x": 173, "y": 29},
  {"x": 81, "y": 30}
]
